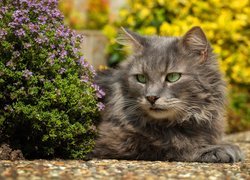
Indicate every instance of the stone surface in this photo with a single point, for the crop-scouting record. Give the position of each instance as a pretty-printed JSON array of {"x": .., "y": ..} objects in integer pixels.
[{"x": 114, "y": 169}]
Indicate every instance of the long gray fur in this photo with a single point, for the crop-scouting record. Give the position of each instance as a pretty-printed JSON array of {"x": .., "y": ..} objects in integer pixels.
[{"x": 189, "y": 124}]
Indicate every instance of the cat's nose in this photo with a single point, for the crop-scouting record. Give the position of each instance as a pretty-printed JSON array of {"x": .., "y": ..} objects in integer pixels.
[{"x": 152, "y": 99}]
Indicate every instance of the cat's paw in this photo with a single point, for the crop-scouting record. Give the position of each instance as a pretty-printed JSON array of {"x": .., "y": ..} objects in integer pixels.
[{"x": 226, "y": 153}]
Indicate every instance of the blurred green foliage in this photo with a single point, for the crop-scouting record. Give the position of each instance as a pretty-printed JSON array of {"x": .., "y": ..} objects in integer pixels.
[{"x": 227, "y": 26}]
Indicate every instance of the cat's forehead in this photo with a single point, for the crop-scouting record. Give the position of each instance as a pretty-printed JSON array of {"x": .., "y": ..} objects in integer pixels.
[
  {"x": 161, "y": 56},
  {"x": 162, "y": 42}
]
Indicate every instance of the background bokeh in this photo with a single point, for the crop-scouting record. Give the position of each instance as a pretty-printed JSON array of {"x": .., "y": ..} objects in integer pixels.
[{"x": 225, "y": 22}]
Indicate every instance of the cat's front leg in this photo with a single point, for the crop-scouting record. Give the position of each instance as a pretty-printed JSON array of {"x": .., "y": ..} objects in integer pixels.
[{"x": 224, "y": 153}]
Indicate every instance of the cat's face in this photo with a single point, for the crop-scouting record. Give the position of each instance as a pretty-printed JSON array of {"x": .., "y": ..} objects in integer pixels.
[{"x": 167, "y": 80}]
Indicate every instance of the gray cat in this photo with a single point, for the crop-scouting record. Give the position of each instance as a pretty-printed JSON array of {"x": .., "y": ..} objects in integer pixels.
[{"x": 166, "y": 102}]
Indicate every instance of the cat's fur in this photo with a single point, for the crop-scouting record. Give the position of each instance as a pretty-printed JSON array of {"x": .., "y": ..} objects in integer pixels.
[{"x": 187, "y": 123}]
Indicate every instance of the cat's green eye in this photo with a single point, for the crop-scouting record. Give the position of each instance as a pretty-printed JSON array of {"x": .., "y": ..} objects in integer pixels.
[
  {"x": 173, "y": 77},
  {"x": 141, "y": 78}
]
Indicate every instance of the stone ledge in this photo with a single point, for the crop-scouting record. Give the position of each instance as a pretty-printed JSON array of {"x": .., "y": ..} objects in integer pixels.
[{"x": 114, "y": 169}]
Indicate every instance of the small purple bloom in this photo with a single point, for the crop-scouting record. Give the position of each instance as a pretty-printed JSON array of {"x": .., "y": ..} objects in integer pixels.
[
  {"x": 51, "y": 59},
  {"x": 27, "y": 45},
  {"x": 33, "y": 28},
  {"x": 13, "y": 24},
  {"x": 3, "y": 33},
  {"x": 62, "y": 70},
  {"x": 4, "y": 9},
  {"x": 27, "y": 73},
  {"x": 20, "y": 32},
  {"x": 91, "y": 68},
  {"x": 63, "y": 54},
  {"x": 75, "y": 50},
  {"x": 20, "y": 16},
  {"x": 56, "y": 14},
  {"x": 10, "y": 63},
  {"x": 39, "y": 40},
  {"x": 42, "y": 19},
  {"x": 82, "y": 62},
  {"x": 100, "y": 106},
  {"x": 84, "y": 79},
  {"x": 99, "y": 92}
]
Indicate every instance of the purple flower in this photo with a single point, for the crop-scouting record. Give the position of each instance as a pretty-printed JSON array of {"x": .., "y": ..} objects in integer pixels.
[
  {"x": 84, "y": 79},
  {"x": 27, "y": 45},
  {"x": 99, "y": 92},
  {"x": 75, "y": 50},
  {"x": 62, "y": 32},
  {"x": 3, "y": 33},
  {"x": 13, "y": 24},
  {"x": 10, "y": 63},
  {"x": 20, "y": 32},
  {"x": 33, "y": 28},
  {"x": 27, "y": 73},
  {"x": 91, "y": 68},
  {"x": 82, "y": 62},
  {"x": 51, "y": 59},
  {"x": 62, "y": 70},
  {"x": 20, "y": 16},
  {"x": 4, "y": 9},
  {"x": 41, "y": 40},
  {"x": 56, "y": 14},
  {"x": 63, "y": 53},
  {"x": 42, "y": 19},
  {"x": 100, "y": 106}
]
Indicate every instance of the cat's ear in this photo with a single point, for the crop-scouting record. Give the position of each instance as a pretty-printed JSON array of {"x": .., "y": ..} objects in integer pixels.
[
  {"x": 131, "y": 39},
  {"x": 195, "y": 41}
]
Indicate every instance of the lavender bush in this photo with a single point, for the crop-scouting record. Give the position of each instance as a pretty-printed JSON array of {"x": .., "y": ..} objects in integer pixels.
[{"x": 47, "y": 97}]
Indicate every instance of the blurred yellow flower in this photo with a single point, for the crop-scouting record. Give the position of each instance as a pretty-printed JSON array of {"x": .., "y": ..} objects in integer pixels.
[
  {"x": 77, "y": 20},
  {"x": 144, "y": 12},
  {"x": 238, "y": 5},
  {"x": 123, "y": 13},
  {"x": 102, "y": 67},
  {"x": 137, "y": 6},
  {"x": 150, "y": 30},
  {"x": 164, "y": 29},
  {"x": 161, "y": 2},
  {"x": 66, "y": 6},
  {"x": 131, "y": 21},
  {"x": 110, "y": 31},
  {"x": 150, "y": 3}
]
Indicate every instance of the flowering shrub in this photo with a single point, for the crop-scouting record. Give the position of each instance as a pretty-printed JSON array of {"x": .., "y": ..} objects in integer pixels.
[
  {"x": 48, "y": 100},
  {"x": 226, "y": 24},
  {"x": 88, "y": 14}
]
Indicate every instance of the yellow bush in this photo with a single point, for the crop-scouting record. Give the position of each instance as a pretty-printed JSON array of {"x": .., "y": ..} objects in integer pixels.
[{"x": 226, "y": 23}]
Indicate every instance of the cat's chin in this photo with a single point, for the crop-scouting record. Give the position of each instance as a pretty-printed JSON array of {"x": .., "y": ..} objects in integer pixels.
[{"x": 160, "y": 113}]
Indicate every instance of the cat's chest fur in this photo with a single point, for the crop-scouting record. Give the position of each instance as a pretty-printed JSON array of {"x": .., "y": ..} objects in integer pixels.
[{"x": 150, "y": 141}]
